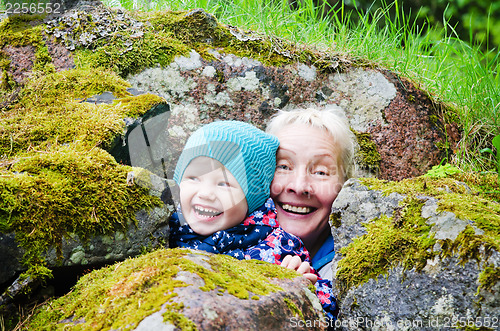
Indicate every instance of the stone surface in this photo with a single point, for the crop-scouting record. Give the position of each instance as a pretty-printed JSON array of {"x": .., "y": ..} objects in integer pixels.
[
  {"x": 210, "y": 310},
  {"x": 287, "y": 305},
  {"x": 440, "y": 295},
  {"x": 149, "y": 230},
  {"x": 401, "y": 119}
]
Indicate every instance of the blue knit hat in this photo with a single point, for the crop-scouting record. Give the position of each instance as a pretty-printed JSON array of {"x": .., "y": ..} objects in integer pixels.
[{"x": 247, "y": 152}]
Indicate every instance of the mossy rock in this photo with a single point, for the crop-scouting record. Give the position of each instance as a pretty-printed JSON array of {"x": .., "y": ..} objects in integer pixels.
[
  {"x": 423, "y": 249},
  {"x": 58, "y": 179},
  {"x": 61, "y": 192},
  {"x": 186, "y": 289}
]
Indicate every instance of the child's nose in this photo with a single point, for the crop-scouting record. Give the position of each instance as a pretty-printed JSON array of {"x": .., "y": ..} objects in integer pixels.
[{"x": 206, "y": 192}]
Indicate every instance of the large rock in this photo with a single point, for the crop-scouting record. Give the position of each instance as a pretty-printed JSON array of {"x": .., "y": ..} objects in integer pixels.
[
  {"x": 232, "y": 79},
  {"x": 444, "y": 273},
  {"x": 88, "y": 94},
  {"x": 148, "y": 229},
  {"x": 186, "y": 289}
]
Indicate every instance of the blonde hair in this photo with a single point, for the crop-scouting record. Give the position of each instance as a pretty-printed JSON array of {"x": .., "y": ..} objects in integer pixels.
[{"x": 330, "y": 119}]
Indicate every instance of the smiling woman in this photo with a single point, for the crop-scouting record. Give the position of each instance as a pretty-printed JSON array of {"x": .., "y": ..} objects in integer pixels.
[{"x": 314, "y": 159}]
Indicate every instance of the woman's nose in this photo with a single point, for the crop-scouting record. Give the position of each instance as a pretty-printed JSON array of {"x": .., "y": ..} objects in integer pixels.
[{"x": 300, "y": 184}]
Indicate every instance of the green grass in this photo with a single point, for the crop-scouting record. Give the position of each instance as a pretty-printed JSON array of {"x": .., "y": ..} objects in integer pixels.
[{"x": 452, "y": 71}]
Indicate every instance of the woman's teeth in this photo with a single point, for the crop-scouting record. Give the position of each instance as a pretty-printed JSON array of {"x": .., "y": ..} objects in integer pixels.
[
  {"x": 207, "y": 212},
  {"x": 295, "y": 209}
]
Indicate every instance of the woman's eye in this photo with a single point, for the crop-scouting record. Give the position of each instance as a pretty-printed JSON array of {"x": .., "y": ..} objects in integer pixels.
[
  {"x": 320, "y": 172},
  {"x": 282, "y": 167}
]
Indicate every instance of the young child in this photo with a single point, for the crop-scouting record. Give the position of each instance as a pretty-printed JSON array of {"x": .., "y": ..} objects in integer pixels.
[{"x": 224, "y": 175}]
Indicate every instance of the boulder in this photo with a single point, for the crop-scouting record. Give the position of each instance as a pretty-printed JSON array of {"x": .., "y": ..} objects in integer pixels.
[
  {"x": 147, "y": 229},
  {"x": 404, "y": 261},
  {"x": 184, "y": 289},
  {"x": 230, "y": 78},
  {"x": 97, "y": 103}
]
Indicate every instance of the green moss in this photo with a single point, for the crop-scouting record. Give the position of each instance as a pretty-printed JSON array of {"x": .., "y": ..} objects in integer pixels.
[
  {"x": 174, "y": 315},
  {"x": 468, "y": 196},
  {"x": 71, "y": 189},
  {"x": 130, "y": 56},
  {"x": 21, "y": 30},
  {"x": 335, "y": 220},
  {"x": 125, "y": 293},
  {"x": 489, "y": 277},
  {"x": 200, "y": 32},
  {"x": 43, "y": 61},
  {"x": 136, "y": 106},
  {"x": 401, "y": 240},
  {"x": 6, "y": 81},
  {"x": 468, "y": 246},
  {"x": 293, "y": 308},
  {"x": 73, "y": 84},
  {"x": 260, "y": 49},
  {"x": 50, "y": 112},
  {"x": 191, "y": 29},
  {"x": 238, "y": 279},
  {"x": 368, "y": 155}
]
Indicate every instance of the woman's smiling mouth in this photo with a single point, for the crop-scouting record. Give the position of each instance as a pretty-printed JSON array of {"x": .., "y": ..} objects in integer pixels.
[{"x": 297, "y": 210}]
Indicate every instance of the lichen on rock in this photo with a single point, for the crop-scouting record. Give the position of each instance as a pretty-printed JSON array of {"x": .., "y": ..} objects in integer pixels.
[
  {"x": 85, "y": 80},
  {"x": 166, "y": 288},
  {"x": 431, "y": 245}
]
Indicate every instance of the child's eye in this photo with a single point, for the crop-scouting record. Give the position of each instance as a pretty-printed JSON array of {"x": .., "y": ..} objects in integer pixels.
[
  {"x": 193, "y": 178},
  {"x": 224, "y": 184}
]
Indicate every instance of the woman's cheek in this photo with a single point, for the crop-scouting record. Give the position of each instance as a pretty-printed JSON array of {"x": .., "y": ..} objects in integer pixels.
[{"x": 277, "y": 186}]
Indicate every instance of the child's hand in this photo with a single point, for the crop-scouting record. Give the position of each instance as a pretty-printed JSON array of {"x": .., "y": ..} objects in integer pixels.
[{"x": 304, "y": 268}]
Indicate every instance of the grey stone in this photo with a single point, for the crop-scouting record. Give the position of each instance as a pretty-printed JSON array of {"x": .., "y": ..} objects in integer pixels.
[
  {"x": 287, "y": 307},
  {"x": 367, "y": 94},
  {"x": 149, "y": 230},
  {"x": 355, "y": 205},
  {"x": 105, "y": 97},
  {"x": 210, "y": 310},
  {"x": 155, "y": 322},
  {"x": 441, "y": 294}
]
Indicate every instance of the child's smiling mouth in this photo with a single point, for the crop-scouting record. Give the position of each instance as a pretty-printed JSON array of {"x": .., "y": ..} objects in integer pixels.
[{"x": 206, "y": 212}]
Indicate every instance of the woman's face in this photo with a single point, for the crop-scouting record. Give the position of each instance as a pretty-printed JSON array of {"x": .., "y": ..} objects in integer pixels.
[{"x": 307, "y": 180}]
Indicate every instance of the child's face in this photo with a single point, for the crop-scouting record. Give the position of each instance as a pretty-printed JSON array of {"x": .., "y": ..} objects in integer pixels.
[{"x": 211, "y": 198}]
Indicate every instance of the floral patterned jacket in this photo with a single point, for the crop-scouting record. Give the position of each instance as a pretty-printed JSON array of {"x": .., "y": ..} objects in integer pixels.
[{"x": 258, "y": 237}]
